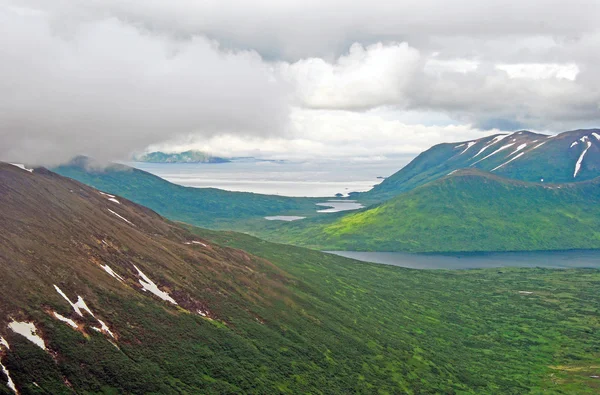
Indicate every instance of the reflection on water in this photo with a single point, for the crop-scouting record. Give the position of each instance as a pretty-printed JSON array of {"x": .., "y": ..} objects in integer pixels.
[{"x": 550, "y": 259}]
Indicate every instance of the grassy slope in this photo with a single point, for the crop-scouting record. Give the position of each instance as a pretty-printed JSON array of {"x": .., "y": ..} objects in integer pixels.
[
  {"x": 207, "y": 207},
  {"x": 470, "y": 325},
  {"x": 467, "y": 211},
  {"x": 285, "y": 320}
]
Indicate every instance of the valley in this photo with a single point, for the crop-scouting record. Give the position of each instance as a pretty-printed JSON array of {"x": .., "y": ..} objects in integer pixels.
[{"x": 188, "y": 309}]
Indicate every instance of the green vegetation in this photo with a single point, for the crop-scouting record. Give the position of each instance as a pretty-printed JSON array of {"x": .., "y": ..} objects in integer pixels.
[
  {"x": 467, "y": 211},
  {"x": 278, "y": 319},
  {"x": 434, "y": 331},
  {"x": 207, "y": 207},
  {"x": 540, "y": 157},
  {"x": 192, "y": 156},
  {"x": 339, "y": 326}
]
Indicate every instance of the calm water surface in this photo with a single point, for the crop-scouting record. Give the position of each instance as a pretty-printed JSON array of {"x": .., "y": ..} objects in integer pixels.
[
  {"x": 550, "y": 259},
  {"x": 316, "y": 179}
]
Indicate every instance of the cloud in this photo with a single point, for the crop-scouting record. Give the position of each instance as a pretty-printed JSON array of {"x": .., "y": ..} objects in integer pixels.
[
  {"x": 338, "y": 135},
  {"x": 365, "y": 77},
  {"x": 104, "y": 87},
  {"x": 106, "y": 78},
  {"x": 296, "y": 29},
  {"x": 541, "y": 96}
]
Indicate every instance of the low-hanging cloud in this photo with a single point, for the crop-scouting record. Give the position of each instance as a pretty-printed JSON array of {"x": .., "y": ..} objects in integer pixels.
[
  {"x": 108, "y": 78},
  {"x": 105, "y": 88}
]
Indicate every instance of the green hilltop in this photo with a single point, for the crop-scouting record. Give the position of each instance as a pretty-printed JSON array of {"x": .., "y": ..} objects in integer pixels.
[
  {"x": 208, "y": 207},
  {"x": 469, "y": 210}
]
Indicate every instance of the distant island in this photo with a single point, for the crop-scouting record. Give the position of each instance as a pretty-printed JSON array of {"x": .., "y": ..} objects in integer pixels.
[{"x": 191, "y": 156}]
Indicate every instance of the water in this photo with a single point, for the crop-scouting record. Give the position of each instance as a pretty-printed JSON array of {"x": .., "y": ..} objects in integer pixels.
[
  {"x": 314, "y": 179},
  {"x": 287, "y": 218},
  {"x": 335, "y": 206},
  {"x": 549, "y": 259}
]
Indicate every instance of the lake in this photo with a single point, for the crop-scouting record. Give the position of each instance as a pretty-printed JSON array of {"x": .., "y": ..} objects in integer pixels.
[
  {"x": 474, "y": 260},
  {"x": 309, "y": 178}
]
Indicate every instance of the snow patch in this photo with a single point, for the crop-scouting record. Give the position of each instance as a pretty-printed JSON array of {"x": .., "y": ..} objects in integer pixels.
[
  {"x": 469, "y": 145},
  {"x": 452, "y": 172},
  {"x": 65, "y": 319},
  {"x": 29, "y": 331},
  {"x": 195, "y": 242},
  {"x": 494, "y": 141},
  {"x": 21, "y": 166},
  {"x": 103, "y": 328},
  {"x": 537, "y": 146},
  {"x": 573, "y": 144},
  {"x": 507, "y": 162},
  {"x": 108, "y": 270},
  {"x": 106, "y": 194},
  {"x": 458, "y": 146},
  {"x": 495, "y": 152},
  {"x": 148, "y": 285},
  {"x": 114, "y": 200},
  {"x": 596, "y": 135},
  {"x": 578, "y": 164},
  {"x": 10, "y": 383},
  {"x": 583, "y": 139},
  {"x": 519, "y": 148},
  {"x": 80, "y": 304},
  {"x": 123, "y": 218}
]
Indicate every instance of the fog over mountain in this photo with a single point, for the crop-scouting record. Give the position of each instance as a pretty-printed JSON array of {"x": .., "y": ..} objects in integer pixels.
[{"x": 288, "y": 78}]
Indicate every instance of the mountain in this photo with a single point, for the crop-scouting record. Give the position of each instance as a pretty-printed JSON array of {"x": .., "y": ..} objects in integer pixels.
[
  {"x": 101, "y": 295},
  {"x": 208, "y": 207},
  {"x": 191, "y": 156},
  {"x": 468, "y": 210},
  {"x": 566, "y": 157}
]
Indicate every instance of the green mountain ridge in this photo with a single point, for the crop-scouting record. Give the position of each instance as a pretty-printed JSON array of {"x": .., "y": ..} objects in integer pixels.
[
  {"x": 521, "y": 155},
  {"x": 191, "y": 156},
  {"x": 468, "y": 210},
  {"x": 207, "y": 207},
  {"x": 90, "y": 281}
]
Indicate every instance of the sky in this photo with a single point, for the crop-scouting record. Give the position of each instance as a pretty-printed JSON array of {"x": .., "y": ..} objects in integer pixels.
[{"x": 289, "y": 79}]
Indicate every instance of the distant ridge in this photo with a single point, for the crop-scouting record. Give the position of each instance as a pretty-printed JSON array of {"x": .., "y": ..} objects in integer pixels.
[
  {"x": 522, "y": 155},
  {"x": 191, "y": 156}
]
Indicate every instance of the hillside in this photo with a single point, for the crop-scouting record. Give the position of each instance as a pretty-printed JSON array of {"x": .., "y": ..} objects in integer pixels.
[
  {"x": 101, "y": 295},
  {"x": 207, "y": 207},
  {"x": 191, "y": 156},
  {"x": 526, "y": 156},
  {"x": 468, "y": 210}
]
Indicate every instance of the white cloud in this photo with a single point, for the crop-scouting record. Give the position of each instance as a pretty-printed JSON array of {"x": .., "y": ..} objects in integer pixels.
[
  {"x": 105, "y": 78},
  {"x": 538, "y": 71},
  {"x": 334, "y": 134},
  {"x": 103, "y": 87},
  {"x": 365, "y": 77}
]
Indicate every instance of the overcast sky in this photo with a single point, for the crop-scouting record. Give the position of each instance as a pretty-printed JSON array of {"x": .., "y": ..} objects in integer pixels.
[{"x": 289, "y": 79}]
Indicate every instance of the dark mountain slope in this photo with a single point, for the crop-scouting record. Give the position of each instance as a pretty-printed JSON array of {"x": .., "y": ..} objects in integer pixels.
[
  {"x": 469, "y": 210},
  {"x": 521, "y": 155},
  {"x": 89, "y": 284},
  {"x": 207, "y": 207}
]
